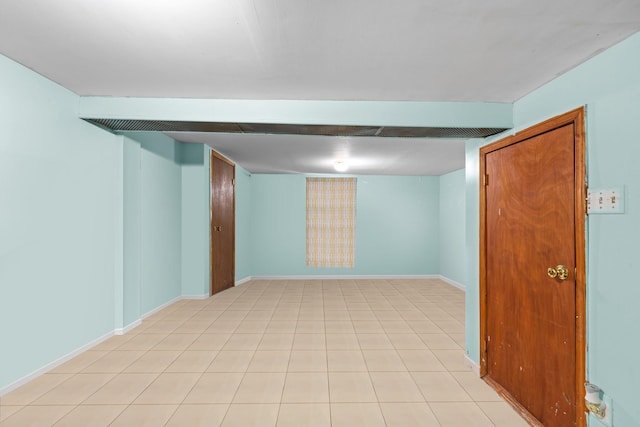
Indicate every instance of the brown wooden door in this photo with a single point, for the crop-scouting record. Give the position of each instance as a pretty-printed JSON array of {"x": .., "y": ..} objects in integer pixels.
[
  {"x": 222, "y": 226},
  {"x": 530, "y": 219}
]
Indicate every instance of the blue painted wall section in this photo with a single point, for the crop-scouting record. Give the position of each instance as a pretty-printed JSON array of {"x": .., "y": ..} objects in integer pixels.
[
  {"x": 453, "y": 254},
  {"x": 195, "y": 220},
  {"x": 243, "y": 224},
  {"x": 397, "y": 226},
  {"x": 59, "y": 187}
]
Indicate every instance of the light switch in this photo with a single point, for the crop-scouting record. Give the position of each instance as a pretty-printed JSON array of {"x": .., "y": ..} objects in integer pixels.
[{"x": 605, "y": 201}]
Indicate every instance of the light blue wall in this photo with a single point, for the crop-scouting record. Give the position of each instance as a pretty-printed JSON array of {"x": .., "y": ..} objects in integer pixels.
[
  {"x": 59, "y": 198},
  {"x": 161, "y": 224},
  {"x": 195, "y": 220},
  {"x": 453, "y": 254},
  {"x": 609, "y": 85},
  {"x": 243, "y": 224},
  {"x": 132, "y": 226},
  {"x": 397, "y": 224}
]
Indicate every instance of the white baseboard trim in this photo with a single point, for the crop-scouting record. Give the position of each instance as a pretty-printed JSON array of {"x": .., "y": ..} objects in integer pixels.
[
  {"x": 453, "y": 283},
  {"x": 161, "y": 307},
  {"x": 51, "y": 365},
  {"x": 203, "y": 296},
  {"x": 346, "y": 277},
  {"x": 130, "y": 326},
  {"x": 243, "y": 281},
  {"x": 475, "y": 368}
]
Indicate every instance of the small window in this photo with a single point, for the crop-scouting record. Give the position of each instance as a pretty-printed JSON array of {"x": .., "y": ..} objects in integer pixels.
[{"x": 331, "y": 222}]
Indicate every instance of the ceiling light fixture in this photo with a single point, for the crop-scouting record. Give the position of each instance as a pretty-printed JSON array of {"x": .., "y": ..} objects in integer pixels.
[{"x": 340, "y": 166}]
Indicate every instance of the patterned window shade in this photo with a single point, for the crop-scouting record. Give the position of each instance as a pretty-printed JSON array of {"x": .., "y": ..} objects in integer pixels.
[{"x": 331, "y": 222}]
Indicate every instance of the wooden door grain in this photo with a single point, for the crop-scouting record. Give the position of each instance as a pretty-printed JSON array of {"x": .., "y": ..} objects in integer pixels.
[
  {"x": 222, "y": 227},
  {"x": 532, "y": 338}
]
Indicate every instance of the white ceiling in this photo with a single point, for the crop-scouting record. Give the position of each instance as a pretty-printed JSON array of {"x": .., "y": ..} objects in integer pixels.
[{"x": 372, "y": 50}]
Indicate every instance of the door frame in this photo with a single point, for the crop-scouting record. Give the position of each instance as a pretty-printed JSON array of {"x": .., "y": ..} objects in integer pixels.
[
  {"x": 575, "y": 117},
  {"x": 215, "y": 154}
]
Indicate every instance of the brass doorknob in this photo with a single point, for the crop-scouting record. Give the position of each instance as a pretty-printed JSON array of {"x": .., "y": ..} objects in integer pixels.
[{"x": 561, "y": 272}]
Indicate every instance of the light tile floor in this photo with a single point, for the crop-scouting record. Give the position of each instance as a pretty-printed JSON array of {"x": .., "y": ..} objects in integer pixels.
[{"x": 341, "y": 353}]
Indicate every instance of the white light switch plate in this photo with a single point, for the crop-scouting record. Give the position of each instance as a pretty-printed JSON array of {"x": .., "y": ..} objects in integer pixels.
[{"x": 605, "y": 201}]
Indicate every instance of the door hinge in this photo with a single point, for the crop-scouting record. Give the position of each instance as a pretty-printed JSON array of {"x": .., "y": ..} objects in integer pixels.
[
  {"x": 233, "y": 181},
  {"x": 485, "y": 181}
]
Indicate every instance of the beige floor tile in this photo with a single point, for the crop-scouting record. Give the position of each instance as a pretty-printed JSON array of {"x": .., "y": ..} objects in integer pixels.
[
  {"x": 337, "y": 312},
  {"x": 282, "y": 326},
  {"x": 269, "y": 361},
  {"x": 304, "y": 415},
  {"x": 91, "y": 415},
  {"x": 351, "y": 387},
  {"x": 285, "y": 314},
  {"x": 395, "y": 387},
  {"x": 198, "y": 416},
  {"x": 339, "y": 327},
  {"x": 144, "y": 416},
  {"x": 453, "y": 360},
  {"x": 79, "y": 362},
  {"x": 367, "y": 327},
  {"x": 243, "y": 342},
  {"x": 7, "y": 411},
  {"x": 260, "y": 314},
  {"x": 74, "y": 390},
  {"x": 306, "y": 387},
  {"x": 114, "y": 361},
  {"x": 424, "y": 327},
  {"x": 112, "y": 343},
  {"x": 276, "y": 341},
  {"x": 231, "y": 361},
  {"x": 421, "y": 361},
  {"x": 308, "y": 361},
  {"x": 395, "y": 327},
  {"x": 122, "y": 389},
  {"x": 192, "y": 361},
  {"x": 309, "y": 342},
  {"x": 168, "y": 388},
  {"x": 176, "y": 342},
  {"x": 356, "y": 415},
  {"x": 37, "y": 416},
  {"x": 406, "y": 341},
  {"x": 346, "y": 361},
  {"x": 260, "y": 388},
  {"x": 153, "y": 361},
  {"x": 210, "y": 342},
  {"x": 223, "y": 326},
  {"x": 163, "y": 326},
  {"x": 251, "y": 415},
  {"x": 408, "y": 415},
  {"x": 439, "y": 342},
  {"x": 460, "y": 414},
  {"x": 383, "y": 360},
  {"x": 34, "y": 389},
  {"x": 142, "y": 341},
  {"x": 450, "y": 326},
  {"x": 440, "y": 387},
  {"x": 476, "y": 387},
  {"x": 317, "y": 314},
  {"x": 374, "y": 342},
  {"x": 238, "y": 310},
  {"x": 217, "y": 387},
  {"x": 310, "y": 327},
  {"x": 502, "y": 414},
  {"x": 251, "y": 327},
  {"x": 194, "y": 326},
  {"x": 459, "y": 339},
  {"x": 339, "y": 341}
]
